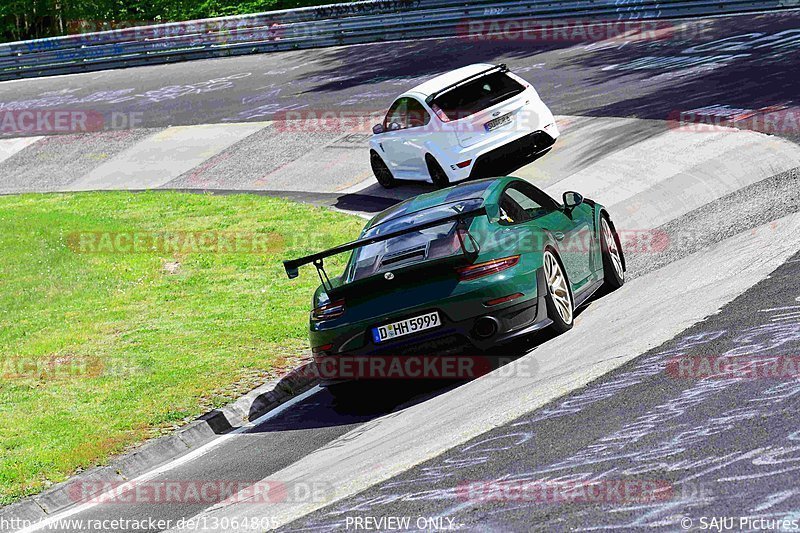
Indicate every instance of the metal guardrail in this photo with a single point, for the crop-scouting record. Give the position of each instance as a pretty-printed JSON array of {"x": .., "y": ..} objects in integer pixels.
[{"x": 314, "y": 27}]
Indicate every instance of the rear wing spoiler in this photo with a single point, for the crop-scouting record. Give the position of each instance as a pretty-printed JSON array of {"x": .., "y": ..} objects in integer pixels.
[
  {"x": 292, "y": 266},
  {"x": 499, "y": 68}
]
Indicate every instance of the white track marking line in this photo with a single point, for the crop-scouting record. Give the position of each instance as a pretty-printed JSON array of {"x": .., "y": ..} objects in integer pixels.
[
  {"x": 171, "y": 465},
  {"x": 10, "y": 146},
  {"x": 278, "y": 410},
  {"x": 780, "y": 318},
  {"x": 403, "y": 441},
  {"x": 779, "y": 309},
  {"x": 360, "y": 186}
]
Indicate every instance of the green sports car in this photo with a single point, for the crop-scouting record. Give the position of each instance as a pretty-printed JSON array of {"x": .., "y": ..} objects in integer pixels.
[{"x": 461, "y": 270}]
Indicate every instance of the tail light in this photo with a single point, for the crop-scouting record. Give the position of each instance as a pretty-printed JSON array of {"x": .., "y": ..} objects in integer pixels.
[
  {"x": 486, "y": 269},
  {"x": 328, "y": 311},
  {"x": 321, "y": 349},
  {"x": 504, "y": 299}
]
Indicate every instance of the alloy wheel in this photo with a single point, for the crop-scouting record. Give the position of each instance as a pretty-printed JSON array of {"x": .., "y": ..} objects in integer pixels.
[
  {"x": 611, "y": 246},
  {"x": 381, "y": 171},
  {"x": 557, "y": 283}
]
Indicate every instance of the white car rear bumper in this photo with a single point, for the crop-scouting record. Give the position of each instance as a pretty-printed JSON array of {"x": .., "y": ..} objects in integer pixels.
[{"x": 509, "y": 151}]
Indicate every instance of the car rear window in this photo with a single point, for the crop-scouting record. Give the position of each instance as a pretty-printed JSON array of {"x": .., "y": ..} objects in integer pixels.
[
  {"x": 426, "y": 245},
  {"x": 465, "y": 191},
  {"x": 476, "y": 96}
]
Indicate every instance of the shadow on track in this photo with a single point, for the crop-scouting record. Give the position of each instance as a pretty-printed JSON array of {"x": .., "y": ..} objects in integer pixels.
[{"x": 362, "y": 402}]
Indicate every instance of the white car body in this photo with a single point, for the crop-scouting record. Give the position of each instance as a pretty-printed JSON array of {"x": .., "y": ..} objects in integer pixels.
[{"x": 459, "y": 144}]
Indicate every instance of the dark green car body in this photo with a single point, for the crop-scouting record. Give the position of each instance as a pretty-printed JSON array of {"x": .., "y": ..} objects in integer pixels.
[{"x": 476, "y": 313}]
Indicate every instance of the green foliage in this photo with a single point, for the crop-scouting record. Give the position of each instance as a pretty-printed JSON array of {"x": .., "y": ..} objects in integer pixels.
[{"x": 33, "y": 19}]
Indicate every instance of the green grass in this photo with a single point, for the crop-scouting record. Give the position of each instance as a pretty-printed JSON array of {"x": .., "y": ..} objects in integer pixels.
[{"x": 149, "y": 340}]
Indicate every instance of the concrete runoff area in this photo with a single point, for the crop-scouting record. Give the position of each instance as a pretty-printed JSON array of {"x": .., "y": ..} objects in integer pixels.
[
  {"x": 9, "y": 147},
  {"x": 56, "y": 162},
  {"x": 163, "y": 156},
  {"x": 664, "y": 174}
]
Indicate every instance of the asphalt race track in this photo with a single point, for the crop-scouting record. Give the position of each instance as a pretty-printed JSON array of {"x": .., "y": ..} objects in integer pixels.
[
  {"x": 743, "y": 62},
  {"x": 309, "y": 425},
  {"x": 719, "y": 447},
  {"x": 598, "y": 405}
]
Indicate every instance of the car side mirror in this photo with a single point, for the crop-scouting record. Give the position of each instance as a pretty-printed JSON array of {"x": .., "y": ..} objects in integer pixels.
[
  {"x": 377, "y": 128},
  {"x": 572, "y": 200}
]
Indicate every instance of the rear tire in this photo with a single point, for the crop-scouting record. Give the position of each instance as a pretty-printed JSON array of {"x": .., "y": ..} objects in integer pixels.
[
  {"x": 381, "y": 171},
  {"x": 437, "y": 173},
  {"x": 560, "y": 305},
  {"x": 613, "y": 262}
]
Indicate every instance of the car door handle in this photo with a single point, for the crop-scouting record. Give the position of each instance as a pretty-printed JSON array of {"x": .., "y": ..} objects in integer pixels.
[{"x": 559, "y": 236}]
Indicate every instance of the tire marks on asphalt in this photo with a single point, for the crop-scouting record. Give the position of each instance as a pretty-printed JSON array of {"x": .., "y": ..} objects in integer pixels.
[{"x": 726, "y": 447}]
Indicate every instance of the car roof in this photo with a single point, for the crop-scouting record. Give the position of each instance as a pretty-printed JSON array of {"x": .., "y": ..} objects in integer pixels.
[
  {"x": 462, "y": 191},
  {"x": 444, "y": 80}
]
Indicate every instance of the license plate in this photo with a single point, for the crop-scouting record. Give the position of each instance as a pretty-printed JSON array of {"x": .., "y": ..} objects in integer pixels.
[
  {"x": 405, "y": 327},
  {"x": 497, "y": 122}
]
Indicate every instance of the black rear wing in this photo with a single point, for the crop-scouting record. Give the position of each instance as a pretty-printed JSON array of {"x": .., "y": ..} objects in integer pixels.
[
  {"x": 499, "y": 68},
  {"x": 316, "y": 259}
]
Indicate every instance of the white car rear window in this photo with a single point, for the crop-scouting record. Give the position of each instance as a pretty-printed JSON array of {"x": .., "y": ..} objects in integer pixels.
[{"x": 476, "y": 95}]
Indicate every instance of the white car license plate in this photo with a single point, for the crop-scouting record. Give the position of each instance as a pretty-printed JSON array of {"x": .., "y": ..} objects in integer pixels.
[
  {"x": 406, "y": 327},
  {"x": 497, "y": 122}
]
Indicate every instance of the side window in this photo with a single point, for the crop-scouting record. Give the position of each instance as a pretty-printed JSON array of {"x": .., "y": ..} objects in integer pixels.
[
  {"x": 417, "y": 116},
  {"x": 510, "y": 210},
  {"x": 396, "y": 117},
  {"x": 536, "y": 203}
]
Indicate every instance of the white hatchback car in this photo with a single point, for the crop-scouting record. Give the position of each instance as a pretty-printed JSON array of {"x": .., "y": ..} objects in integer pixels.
[{"x": 475, "y": 121}]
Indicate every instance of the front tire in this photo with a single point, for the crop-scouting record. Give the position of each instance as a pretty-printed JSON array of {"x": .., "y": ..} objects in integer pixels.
[
  {"x": 437, "y": 173},
  {"x": 381, "y": 171},
  {"x": 613, "y": 265},
  {"x": 560, "y": 305}
]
